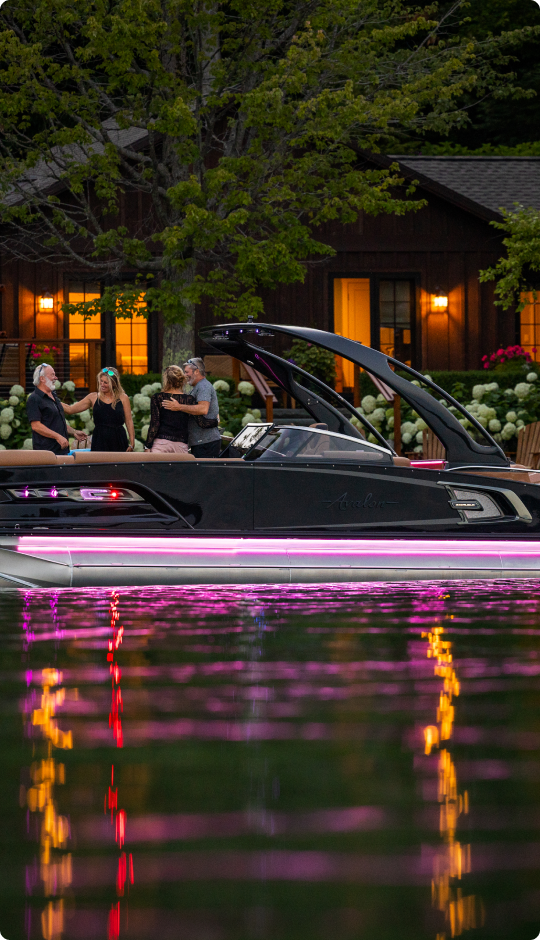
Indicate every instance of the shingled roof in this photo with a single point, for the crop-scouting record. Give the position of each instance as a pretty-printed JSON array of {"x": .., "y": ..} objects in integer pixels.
[{"x": 488, "y": 183}]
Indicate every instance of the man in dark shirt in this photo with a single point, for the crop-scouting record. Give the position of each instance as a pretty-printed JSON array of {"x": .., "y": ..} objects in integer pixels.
[{"x": 46, "y": 415}]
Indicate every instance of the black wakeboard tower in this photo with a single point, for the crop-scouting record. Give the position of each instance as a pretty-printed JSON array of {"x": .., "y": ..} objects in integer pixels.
[{"x": 234, "y": 340}]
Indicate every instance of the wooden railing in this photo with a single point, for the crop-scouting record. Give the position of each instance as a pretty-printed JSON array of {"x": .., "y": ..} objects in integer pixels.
[{"x": 76, "y": 359}]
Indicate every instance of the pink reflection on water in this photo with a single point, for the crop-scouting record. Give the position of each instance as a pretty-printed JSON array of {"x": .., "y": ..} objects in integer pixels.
[{"x": 183, "y": 826}]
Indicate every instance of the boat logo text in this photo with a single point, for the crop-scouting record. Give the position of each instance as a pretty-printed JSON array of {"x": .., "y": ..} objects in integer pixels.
[{"x": 370, "y": 502}]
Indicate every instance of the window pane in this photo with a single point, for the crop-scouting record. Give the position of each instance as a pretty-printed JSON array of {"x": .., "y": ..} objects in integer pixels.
[
  {"x": 79, "y": 328},
  {"x": 403, "y": 291},
  {"x": 395, "y": 313},
  {"x": 386, "y": 291},
  {"x": 530, "y": 327},
  {"x": 132, "y": 345}
]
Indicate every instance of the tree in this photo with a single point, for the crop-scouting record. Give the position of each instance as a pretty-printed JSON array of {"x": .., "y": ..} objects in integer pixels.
[
  {"x": 496, "y": 126},
  {"x": 240, "y": 121},
  {"x": 518, "y": 273}
]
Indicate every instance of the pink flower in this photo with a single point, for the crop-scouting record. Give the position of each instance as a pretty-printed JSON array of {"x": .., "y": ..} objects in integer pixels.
[{"x": 46, "y": 349}]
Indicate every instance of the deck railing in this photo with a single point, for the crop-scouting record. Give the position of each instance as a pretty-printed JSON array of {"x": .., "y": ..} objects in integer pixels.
[{"x": 78, "y": 360}]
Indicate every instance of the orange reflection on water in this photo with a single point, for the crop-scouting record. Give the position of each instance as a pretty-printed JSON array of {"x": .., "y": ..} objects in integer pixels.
[
  {"x": 453, "y": 859},
  {"x": 55, "y": 864},
  {"x": 118, "y": 816}
]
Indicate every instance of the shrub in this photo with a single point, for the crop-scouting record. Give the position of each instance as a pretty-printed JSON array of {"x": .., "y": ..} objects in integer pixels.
[{"x": 318, "y": 362}]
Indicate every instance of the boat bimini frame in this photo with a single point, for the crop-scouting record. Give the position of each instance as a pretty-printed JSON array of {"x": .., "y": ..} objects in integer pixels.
[{"x": 239, "y": 340}]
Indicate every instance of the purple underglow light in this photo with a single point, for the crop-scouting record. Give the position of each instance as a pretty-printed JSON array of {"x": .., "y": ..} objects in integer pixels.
[
  {"x": 391, "y": 549},
  {"x": 53, "y": 492},
  {"x": 26, "y": 492}
]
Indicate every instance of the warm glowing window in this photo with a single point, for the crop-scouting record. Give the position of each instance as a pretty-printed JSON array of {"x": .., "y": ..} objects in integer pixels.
[
  {"x": 79, "y": 328},
  {"x": 530, "y": 327},
  {"x": 395, "y": 311},
  {"x": 132, "y": 344},
  {"x": 351, "y": 319}
]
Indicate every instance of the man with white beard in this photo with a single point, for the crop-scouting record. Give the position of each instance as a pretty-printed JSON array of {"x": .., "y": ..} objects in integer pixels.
[{"x": 46, "y": 415}]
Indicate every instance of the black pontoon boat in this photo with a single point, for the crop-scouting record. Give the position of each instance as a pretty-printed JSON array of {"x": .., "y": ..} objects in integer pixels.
[{"x": 279, "y": 499}]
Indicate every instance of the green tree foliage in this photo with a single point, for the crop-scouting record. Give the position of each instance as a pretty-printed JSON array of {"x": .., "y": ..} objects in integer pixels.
[
  {"x": 519, "y": 271},
  {"x": 313, "y": 359},
  {"x": 240, "y": 124},
  {"x": 496, "y": 127}
]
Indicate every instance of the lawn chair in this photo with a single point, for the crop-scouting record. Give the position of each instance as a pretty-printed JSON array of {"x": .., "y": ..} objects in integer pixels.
[
  {"x": 528, "y": 445},
  {"x": 432, "y": 447}
]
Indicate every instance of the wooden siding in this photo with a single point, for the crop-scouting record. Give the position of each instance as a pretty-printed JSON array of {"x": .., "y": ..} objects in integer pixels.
[{"x": 438, "y": 246}]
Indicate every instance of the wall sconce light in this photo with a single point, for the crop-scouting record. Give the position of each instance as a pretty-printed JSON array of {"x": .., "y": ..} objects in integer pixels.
[
  {"x": 440, "y": 300},
  {"x": 46, "y": 302}
]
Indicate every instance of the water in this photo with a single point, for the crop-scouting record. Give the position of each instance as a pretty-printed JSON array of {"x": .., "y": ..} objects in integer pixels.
[{"x": 354, "y": 763}]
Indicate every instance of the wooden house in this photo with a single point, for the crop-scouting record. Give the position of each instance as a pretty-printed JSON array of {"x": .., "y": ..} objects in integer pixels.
[{"x": 407, "y": 285}]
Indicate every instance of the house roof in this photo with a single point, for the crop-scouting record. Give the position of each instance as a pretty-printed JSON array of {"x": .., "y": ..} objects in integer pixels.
[
  {"x": 489, "y": 181},
  {"x": 481, "y": 184},
  {"x": 46, "y": 177}
]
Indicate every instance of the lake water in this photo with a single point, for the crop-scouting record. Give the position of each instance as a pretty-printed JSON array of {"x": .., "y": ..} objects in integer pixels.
[{"x": 319, "y": 763}]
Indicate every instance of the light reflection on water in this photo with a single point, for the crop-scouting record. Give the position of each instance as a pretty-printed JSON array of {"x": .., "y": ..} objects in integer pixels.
[{"x": 310, "y": 762}]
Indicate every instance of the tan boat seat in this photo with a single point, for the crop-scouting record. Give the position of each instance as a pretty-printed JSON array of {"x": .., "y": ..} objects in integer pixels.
[
  {"x": 97, "y": 456},
  {"x": 401, "y": 461},
  {"x": 28, "y": 458}
]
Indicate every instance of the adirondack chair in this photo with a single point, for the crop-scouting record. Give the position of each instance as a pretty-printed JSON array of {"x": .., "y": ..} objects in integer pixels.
[
  {"x": 528, "y": 445},
  {"x": 433, "y": 449}
]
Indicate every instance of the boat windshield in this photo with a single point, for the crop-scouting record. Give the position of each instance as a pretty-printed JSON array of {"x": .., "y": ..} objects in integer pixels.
[{"x": 298, "y": 443}]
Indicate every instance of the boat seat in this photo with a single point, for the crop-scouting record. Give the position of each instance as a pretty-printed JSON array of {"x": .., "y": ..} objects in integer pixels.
[
  {"x": 401, "y": 461},
  {"x": 97, "y": 456},
  {"x": 28, "y": 458}
]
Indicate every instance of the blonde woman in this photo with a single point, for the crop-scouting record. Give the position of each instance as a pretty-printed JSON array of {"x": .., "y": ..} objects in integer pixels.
[
  {"x": 110, "y": 411},
  {"x": 168, "y": 431}
]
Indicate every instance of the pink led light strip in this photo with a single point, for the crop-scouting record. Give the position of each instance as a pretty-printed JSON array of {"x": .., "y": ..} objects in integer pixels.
[{"x": 241, "y": 547}]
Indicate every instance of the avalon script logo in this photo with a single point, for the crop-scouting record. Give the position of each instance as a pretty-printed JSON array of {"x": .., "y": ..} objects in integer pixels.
[{"x": 370, "y": 502}]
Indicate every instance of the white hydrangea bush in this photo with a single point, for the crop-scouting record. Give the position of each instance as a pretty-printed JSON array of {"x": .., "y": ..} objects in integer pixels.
[{"x": 501, "y": 411}]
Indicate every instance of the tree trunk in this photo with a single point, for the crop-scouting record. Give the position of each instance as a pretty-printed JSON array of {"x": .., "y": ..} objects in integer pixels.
[
  {"x": 178, "y": 342},
  {"x": 179, "y": 338}
]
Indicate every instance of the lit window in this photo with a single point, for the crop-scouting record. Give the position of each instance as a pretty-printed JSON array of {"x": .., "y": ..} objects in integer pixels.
[
  {"x": 132, "y": 344},
  {"x": 530, "y": 327},
  {"x": 82, "y": 329}
]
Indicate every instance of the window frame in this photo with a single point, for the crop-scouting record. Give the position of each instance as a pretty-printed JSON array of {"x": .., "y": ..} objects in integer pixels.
[{"x": 374, "y": 302}]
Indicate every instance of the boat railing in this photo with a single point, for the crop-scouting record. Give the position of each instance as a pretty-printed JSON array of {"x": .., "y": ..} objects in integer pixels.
[{"x": 77, "y": 360}]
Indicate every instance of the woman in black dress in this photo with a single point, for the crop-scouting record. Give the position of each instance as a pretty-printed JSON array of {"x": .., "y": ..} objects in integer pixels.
[
  {"x": 110, "y": 411},
  {"x": 168, "y": 431}
]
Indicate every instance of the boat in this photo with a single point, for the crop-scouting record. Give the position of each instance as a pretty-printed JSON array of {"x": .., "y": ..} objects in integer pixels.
[{"x": 282, "y": 504}]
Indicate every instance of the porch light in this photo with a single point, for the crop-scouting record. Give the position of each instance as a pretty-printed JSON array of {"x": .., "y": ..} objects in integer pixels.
[
  {"x": 46, "y": 302},
  {"x": 440, "y": 301}
]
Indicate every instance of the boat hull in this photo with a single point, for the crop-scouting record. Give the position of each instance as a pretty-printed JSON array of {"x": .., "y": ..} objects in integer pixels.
[{"x": 79, "y": 562}]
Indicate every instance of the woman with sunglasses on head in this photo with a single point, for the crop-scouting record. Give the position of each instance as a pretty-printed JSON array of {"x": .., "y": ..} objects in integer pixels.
[{"x": 110, "y": 411}]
